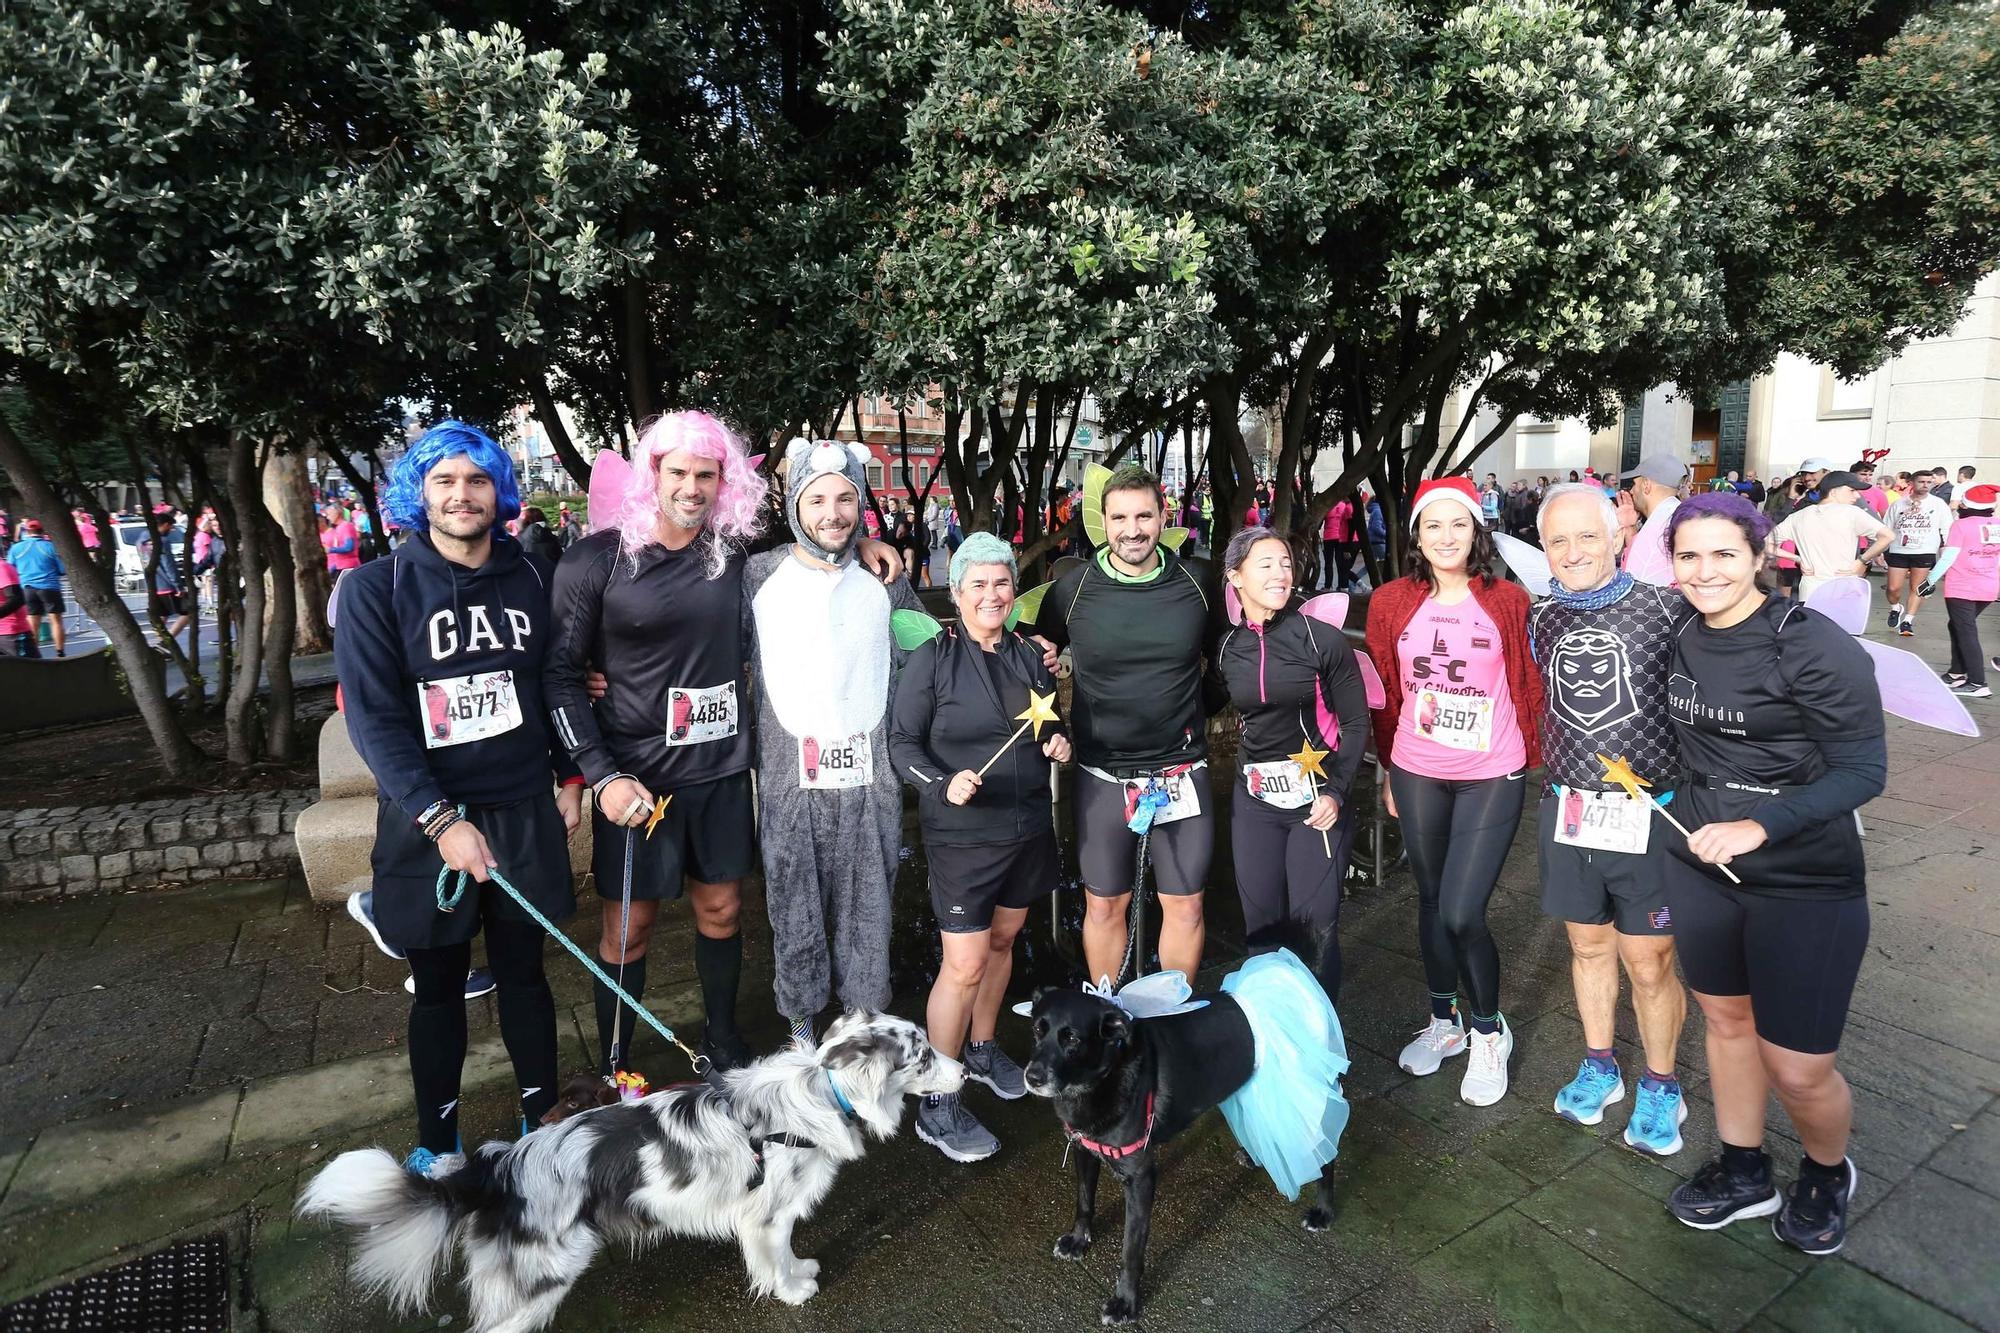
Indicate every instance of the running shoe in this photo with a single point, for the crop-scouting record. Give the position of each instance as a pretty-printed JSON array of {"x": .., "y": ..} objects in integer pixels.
[
  {"x": 1908, "y": 629},
  {"x": 478, "y": 982},
  {"x": 1436, "y": 1042},
  {"x": 432, "y": 1166},
  {"x": 1895, "y": 614},
  {"x": 954, "y": 1131},
  {"x": 725, "y": 1051},
  {"x": 1967, "y": 690},
  {"x": 1814, "y": 1219},
  {"x": 1718, "y": 1196},
  {"x": 1952, "y": 678},
  {"x": 1584, "y": 1097},
  {"x": 361, "y": 907},
  {"x": 1485, "y": 1080},
  {"x": 1657, "y": 1116},
  {"x": 986, "y": 1063}
]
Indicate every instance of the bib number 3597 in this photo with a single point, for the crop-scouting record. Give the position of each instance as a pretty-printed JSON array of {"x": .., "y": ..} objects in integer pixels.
[{"x": 836, "y": 762}]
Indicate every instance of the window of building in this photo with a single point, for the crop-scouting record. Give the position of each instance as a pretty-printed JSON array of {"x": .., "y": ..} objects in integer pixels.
[
  {"x": 875, "y": 476},
  {"x": 1840, "y": 399}
]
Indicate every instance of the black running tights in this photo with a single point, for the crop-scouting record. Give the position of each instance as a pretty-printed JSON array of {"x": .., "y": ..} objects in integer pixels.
[
  {"x": 1289, "y": 881},
  {"x": 1457, "y": 835},
  {"x": 437, "y": 1026}
]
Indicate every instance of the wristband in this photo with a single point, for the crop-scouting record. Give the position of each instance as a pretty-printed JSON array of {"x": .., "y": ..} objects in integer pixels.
[
  {"x": 431, "y": 812},
  {"x": 575, "y": 781},
  {"x": 443, "y": 825},
  {"x": 597, "y": 788}
]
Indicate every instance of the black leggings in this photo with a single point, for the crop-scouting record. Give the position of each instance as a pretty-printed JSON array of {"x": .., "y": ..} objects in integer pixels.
[
  {"x": 1968, "y": 659},
  {"x": 1290, "y": 883},
  {"x": 1457, "y": 835},
  {"x": 437, "y": 1026}
]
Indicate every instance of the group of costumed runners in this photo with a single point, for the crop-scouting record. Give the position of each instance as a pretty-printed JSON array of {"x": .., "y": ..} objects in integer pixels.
[{"x": 478, "y": 679}]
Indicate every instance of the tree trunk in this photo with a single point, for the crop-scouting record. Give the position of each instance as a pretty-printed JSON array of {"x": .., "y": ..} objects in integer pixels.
[
  {"x": 288, "y": 495},
  {"x": 637, "y": 339},
  {"x": 552, "y": 422},
  {"x": 99, "y": 598},
  {"x": 279, "y": 641},
  {"x": 246, "y": 499}
]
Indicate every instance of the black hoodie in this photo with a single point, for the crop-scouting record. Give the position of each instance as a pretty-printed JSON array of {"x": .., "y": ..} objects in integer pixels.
[{"x": 420, "y": 643}]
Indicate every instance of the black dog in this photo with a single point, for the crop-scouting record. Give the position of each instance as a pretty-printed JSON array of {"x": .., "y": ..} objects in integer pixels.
[{"x": 1123, "y": 1087}]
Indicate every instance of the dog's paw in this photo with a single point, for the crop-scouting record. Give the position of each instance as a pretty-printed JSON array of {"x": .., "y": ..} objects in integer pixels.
[
  {"x": 1121, "y": 1310},
  {"x": 1317, "y": 1218},
  {"x": 805, "y": 1268},
  {"x": 797, "y": 1290},
  {"x": 1071, "y": 1246}
]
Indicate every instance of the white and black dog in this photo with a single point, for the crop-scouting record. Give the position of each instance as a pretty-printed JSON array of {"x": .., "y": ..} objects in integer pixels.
[{"x": 529, "y": 1217}]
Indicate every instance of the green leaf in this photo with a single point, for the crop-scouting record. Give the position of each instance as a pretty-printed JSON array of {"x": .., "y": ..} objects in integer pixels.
[{"x": 913, "y": 629}]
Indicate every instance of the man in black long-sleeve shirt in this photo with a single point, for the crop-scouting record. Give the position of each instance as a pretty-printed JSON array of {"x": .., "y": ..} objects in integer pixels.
[{"x": 440, "y": 653}]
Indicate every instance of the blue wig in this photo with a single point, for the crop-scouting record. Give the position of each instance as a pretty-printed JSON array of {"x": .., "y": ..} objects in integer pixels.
[{"x": 404, "y": 502}]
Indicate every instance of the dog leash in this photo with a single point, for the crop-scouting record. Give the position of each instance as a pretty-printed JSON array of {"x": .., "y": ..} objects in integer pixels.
[
  {"x": 624, "y": 925},
  {"x": 449, "y": 898}
]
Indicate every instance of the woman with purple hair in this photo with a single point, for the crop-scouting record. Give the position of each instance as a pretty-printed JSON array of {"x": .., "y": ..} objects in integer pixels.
[
  {"x": 654, "y": 601},
  {"x": 1779, "y": 721}
]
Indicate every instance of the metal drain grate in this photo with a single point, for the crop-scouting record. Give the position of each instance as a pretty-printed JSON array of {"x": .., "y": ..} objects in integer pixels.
[{"x": 181, "y": 1289}]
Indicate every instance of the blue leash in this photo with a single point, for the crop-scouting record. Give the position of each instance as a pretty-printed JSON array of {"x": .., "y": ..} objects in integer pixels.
[{"x": 449, "y": 899}]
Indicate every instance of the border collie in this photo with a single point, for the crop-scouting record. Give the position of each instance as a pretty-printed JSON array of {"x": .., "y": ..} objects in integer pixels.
[{"x": 529, "y": 1217}]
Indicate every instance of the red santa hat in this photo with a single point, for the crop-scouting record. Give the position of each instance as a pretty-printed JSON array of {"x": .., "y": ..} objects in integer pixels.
[{"x": 1457, "y": 489}]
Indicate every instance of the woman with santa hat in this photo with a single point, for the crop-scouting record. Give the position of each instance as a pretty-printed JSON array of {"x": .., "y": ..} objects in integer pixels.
[{"x": 1459, "y": 731}]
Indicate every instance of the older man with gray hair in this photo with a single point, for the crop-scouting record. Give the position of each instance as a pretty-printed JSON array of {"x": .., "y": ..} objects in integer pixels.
[
  {"x": 974, "y": 732},
  {"x": 1605, "y": 642}
]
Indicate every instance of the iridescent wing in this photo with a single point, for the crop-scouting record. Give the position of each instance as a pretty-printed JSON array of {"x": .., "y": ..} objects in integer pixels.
[
  {"x": 1094, "y": 478},
  {"x": 1232, "y": 605},
  {"x": 1028, "y": 605},
  {"x": 1371, "y": 680},
  {"x": 1328, "y": 608},
  {"x": 1912, "y": 690},
  {"x": 1844, "y": 601},
  {"x": 610, "y": 478},
  {"x": 1528, "y": 563},
  {"x": 913, "y": 629},
  {"x": 1172, "y": 538}
]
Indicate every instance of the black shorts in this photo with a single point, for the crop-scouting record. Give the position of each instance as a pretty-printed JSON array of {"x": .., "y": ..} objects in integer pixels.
[
  {"x": 1106, "y": 845},
  {"x": 706, "y": 835},
  {"x": 1594, "y": 888},
  {"x": 968, "y": 883},
  {"x": 43, "y": 601},
  {"x": 1906, "y": 560},
  {"x": 170, "y": 604},
  {"x": 1796, "y": 958},
  {"x": 526, "y": 837}
]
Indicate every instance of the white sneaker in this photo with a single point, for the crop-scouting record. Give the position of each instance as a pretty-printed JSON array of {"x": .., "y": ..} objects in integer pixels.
[
  {"x": 1436, "y": 1042},
  {"x": 1485, "y": 1079}
]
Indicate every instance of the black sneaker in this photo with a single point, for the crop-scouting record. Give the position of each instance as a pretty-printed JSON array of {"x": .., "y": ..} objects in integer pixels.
[
  {"x": 725, "y": 1052},
  {"x": 1718, "y": 1196},
  {"x": 1814, "y": 1219},
  {"x": 1908, "y": 629},
  {"x": 1895, "y": 614}
]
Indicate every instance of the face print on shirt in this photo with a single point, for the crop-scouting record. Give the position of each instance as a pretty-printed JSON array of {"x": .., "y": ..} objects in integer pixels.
[{"x": 1590, "y": 678}]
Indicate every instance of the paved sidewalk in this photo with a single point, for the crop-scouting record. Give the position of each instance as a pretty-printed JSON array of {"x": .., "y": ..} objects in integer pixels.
[{"x": 178, "y": 1062}]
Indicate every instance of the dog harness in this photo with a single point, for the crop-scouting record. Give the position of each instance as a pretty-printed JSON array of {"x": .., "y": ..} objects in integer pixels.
[{"x": 1113, "y": 1152}]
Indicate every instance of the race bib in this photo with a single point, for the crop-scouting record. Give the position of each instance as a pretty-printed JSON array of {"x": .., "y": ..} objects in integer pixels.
[
  {"x": 697, "y": 715},
  {"x": 1460, "y": 721},
  {"x": 468, "y": 708},
  {"x": 1603, "y": 821},
  {"x": 830, "y": 765},
  {"x": 1281, "y": 784},
  {"x": 1182, "y": 800}
]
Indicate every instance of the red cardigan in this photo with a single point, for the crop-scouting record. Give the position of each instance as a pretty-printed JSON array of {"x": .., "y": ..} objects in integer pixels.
[{"x": 1392, "y": 606}]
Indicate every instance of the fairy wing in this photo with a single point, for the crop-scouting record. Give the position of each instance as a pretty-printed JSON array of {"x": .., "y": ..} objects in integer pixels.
[
  {"x": 1232, "y": 605},
  {"x": 1171, "y": 538},
  {"x": 1912, "y": 691},
  {"x": 1527, "y": 561},
  {"x": 1028, "y": 605},
  {"x": 1328, "y": 608},
  {"x": 1094, "y": 478},
  {"x": 1371, "y": 680},
  {"x": 1844, "y": 601},
  {"x": 610, "y": 478},
  {"x": 913, "y": 629}
]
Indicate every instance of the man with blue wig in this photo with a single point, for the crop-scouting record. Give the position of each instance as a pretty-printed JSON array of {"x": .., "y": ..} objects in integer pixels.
[{"x": 440, "y": 650}]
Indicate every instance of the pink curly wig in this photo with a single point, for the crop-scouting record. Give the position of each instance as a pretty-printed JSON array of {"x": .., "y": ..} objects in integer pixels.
[{"x": 739, "y": 504}]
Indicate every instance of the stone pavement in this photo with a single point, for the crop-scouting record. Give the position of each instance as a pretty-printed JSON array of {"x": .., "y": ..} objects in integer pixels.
[{"x": 177, "y": 1062}]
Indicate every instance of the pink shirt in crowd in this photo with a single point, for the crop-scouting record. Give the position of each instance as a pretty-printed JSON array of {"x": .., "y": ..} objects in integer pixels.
[
  {"x": 342, "y": 533},
  {"x": 1975, "y": 575},
  {"x": 1458, "y": 718},
  {"x": 15, "y": 622},
  {"x": 1339, "y": 525}
]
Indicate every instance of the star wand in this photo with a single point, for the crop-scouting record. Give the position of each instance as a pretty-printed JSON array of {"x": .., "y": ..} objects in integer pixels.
[
  {"x": 1041, "y": 708},
  {"x": 1619, "y": 770},
  {"x": 1308, "y": 759}
]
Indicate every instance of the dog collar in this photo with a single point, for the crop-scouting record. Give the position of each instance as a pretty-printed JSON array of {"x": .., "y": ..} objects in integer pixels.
[
  {"x": 1113, "y": 1152},
  {"x": 839, "y": 1097}
]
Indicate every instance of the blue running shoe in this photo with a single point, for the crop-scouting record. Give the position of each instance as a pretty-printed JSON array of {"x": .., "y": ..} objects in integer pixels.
[
  {"x": 479, "y": 981},
  {"x": 1657, "y": 1116},
  {"x": 1584, "y": 1097}
]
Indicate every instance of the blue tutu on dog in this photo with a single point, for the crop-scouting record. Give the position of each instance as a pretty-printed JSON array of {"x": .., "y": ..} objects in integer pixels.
[{"x": 1289, "y": 1116}]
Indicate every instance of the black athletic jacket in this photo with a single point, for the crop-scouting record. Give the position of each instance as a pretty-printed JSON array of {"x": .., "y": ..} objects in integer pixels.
[
  {"x": 950, "y": 718},
  {"x": 1275, "y": 673},
  {"x": 416, "y": 618},
  {"x": 1137, "y": 650},
  {"x": 664, "y": 631}
]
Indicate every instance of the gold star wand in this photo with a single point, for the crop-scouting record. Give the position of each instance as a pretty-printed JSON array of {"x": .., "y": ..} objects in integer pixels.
[
  {"x": 659, "y": 813},
  {"x": 1041, "y": 708},
  {"x": 1308, "y": 759},
  {"x": 1619, "y": 770}
]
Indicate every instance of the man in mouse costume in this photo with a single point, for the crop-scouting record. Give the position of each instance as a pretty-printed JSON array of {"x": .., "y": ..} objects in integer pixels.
[{"x": 830, "y": 808}]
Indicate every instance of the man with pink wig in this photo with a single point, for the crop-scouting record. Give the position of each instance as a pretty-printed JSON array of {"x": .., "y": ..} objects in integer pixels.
[{"x": 654, "y": 599}]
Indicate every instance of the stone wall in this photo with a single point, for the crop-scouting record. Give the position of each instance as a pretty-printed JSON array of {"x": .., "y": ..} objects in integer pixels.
[{"x": 110, "y": 848}]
